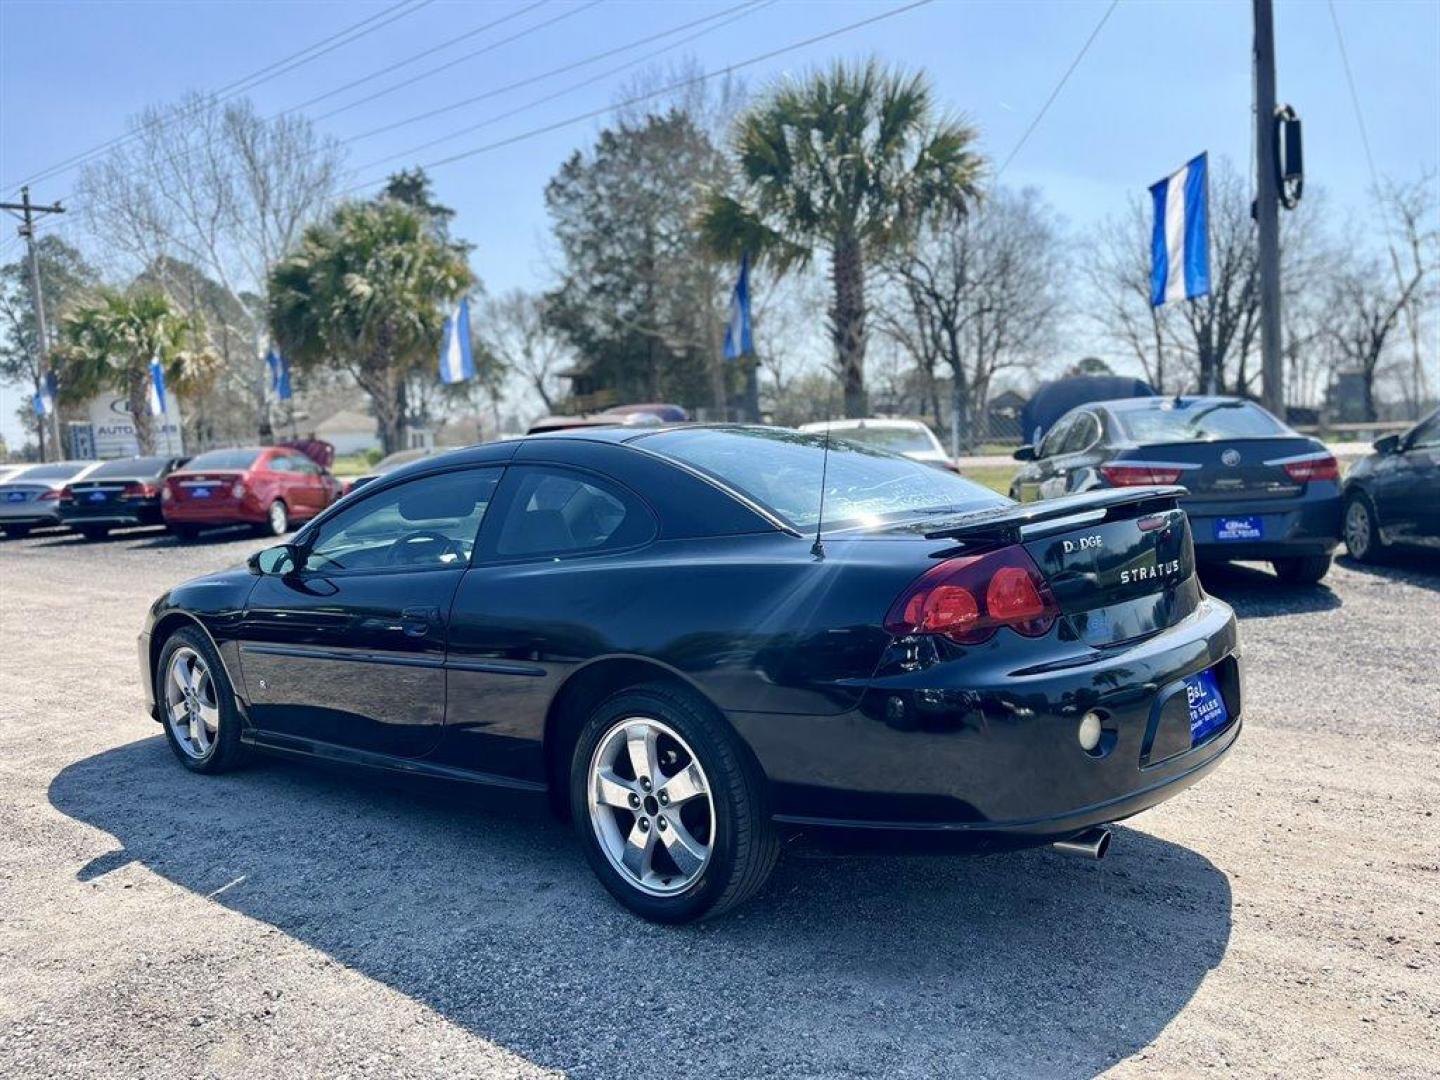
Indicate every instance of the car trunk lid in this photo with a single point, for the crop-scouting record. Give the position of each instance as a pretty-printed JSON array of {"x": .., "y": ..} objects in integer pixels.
[
  {"x": 1214, "y": 471},
  {"x": 1119, "y": 562},
  {"x": 209, "y": 486}
]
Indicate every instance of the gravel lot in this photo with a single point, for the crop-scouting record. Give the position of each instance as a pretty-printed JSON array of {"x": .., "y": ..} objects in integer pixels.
[{"x": 1282, "y": 918}]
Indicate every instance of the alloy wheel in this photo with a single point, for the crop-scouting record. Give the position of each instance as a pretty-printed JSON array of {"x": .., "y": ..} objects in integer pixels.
[
  {"x": 1358, "y": 529},
  {"x": 650, "y": 806},
  {"x": 278, "y": 521},
  {"x": 192, "y": 706}
]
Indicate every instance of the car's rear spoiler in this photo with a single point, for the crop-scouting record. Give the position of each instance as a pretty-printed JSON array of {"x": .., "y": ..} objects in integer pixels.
[{"x": 1013, "y": 522}]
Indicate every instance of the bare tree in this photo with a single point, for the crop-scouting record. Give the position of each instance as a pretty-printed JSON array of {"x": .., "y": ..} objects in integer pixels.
[
  {"x": 223, "y": 190},
  {"x": 515, "y": 331},
  {"x": 981, "y": 296},
  {"x": 1117, "y": 271}
]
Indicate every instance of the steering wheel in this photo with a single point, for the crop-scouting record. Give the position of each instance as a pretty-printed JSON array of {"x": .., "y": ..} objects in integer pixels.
[{"x": 450, "y": 546}]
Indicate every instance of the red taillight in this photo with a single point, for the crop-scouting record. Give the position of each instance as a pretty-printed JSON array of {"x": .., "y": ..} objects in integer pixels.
[
  {"x": 54, "y": 496},
  {"x": 139, "y": 491},
  {"x": 1139, "y": 475},
  {"x": 1319, "y": 468},
  {"x": 967, "y": 599}
]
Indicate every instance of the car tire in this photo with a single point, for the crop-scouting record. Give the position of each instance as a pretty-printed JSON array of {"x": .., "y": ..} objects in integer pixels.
[
  {"x": 1302, "y": 569},
  {"x": 17, "y": 532},
  {"x": 725, "y": 845},
  {"x": 94, "y": 532},
  {"x": 203, "y": 730},
  {"x": 1361, "y": 529},
  {"x": 184, "y": 533},
  {"x": 277, "y": 520}
]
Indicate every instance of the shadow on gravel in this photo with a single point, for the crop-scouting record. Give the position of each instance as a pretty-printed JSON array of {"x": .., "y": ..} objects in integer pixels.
[
  {"x": 1258, "y": 594},
  {"x": 1412, "y": 566},
  {"x": 114, "y": 536},
  {"x": 1024, "y": 964}
]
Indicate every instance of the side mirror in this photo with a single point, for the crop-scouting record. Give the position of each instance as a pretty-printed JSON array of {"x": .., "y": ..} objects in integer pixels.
[
  {"x": 1389, "y": 444},
  {"x": 279, "y": 560},
  {"x": 1024, "y": 453}
]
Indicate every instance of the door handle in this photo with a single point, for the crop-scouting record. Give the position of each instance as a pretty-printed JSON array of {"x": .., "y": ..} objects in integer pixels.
[{"x": 415, "y": 621}]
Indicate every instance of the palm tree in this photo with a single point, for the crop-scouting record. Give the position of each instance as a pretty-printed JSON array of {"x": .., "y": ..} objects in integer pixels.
[
  {"x": 364, "y": 293},
  {"x": 850, "y": 160},
  {"x": 108, "y": 342}
]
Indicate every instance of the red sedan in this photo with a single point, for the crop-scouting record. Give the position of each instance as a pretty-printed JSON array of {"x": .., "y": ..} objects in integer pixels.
[{"x": 269, "y": 487}]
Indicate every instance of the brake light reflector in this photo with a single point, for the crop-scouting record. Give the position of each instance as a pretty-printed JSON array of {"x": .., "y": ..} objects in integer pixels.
[
  {"x": 138, "y": 491},
  {"x": 52, "y": 496},
  {"x": 947, "y": 599},
  {"x": 1318, "y": 468},
  {"x": 1133, "y": 475}
]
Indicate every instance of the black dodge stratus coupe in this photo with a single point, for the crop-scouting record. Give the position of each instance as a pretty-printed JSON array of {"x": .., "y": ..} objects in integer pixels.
[{"x": 666, "y": 632}]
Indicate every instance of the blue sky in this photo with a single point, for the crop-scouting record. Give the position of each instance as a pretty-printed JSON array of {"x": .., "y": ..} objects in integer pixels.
[{"x": 1161, "y": 82}]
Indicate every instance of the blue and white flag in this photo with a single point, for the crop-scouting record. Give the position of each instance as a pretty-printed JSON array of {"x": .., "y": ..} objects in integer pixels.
[
  {"x": 1180, "y": 243},
  {"x": 737, "y": 333},
  {"x": 157, "y": 388},
  {"x": 44, "y": 401},
  {"x": 279, "y": 375},
  {"x": 456, "y": 362}
]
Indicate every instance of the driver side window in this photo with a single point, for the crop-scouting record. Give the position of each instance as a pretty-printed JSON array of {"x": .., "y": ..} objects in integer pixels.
[
  {"x": 1055, "y": 437},
  {"x": 423, "y": 524},
  {"x": 1427, "y": 435}
]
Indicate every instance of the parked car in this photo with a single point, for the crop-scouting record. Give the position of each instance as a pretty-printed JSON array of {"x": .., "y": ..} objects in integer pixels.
[
  {"x": 912, "y": 438},
  {"x": 656, "y": 629},
  {"x": 1393, "y": 495},
  {"x": 268, "y": 487},
  {"x": 387, "y": 464},
  {"x": 7, "y": 471},
  {"x": 1255, "y": 488},
  {"x": 31, "y": 498},
  {"x": 669, "y": 414},
  {"x": 117, "y": 494}
]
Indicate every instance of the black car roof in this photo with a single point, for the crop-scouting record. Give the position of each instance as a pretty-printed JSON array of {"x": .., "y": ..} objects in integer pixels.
[{"x": 1185, "y": 401}]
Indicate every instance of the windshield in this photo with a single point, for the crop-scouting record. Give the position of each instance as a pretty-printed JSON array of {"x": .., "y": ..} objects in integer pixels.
[
  {"x": 135, "y": 466},
  {"x": 898, "y": 440},
  {"x": 780, "y": 470},
  {"x": 1187, "y": 420},
  {"x": 223, "y": 459},
  {"x": 61, "y": 470}
]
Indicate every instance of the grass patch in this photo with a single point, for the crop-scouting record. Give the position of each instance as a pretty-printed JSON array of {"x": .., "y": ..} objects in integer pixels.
[{"x": 995, "y": 477}]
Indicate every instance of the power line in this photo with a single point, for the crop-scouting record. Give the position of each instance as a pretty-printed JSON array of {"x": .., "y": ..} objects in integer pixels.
[
  {"x": 459, "y": 60},
  {"x": 1354, "y": 97},
  {"x": 414, "y": 56},
  {"x": 743, "y": 9},
  {"x": 265, "y": 74},
  {"x": 671, "y": 88},
  {"x": 1058, "y": 87}
]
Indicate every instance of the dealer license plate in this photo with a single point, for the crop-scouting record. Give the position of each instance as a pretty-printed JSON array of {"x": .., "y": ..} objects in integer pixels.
[
  {"x": 200, "y": 493},
  {"x": 1207, "y": 707},
  {"x": 1239, "y": 528}
]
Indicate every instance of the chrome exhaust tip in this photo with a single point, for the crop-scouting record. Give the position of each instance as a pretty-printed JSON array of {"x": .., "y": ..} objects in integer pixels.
[{"x": 1091, "y": 844}]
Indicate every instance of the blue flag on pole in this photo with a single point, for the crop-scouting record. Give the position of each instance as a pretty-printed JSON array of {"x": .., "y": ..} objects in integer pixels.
[
  {"x": 1180, "y": 243},
  {"x": 157, "y": 388},
  {"x": 44, "y": 401},
  {"x": 456, "y": 362},
  {"x": 737, "y": 333},
  {"x": 279, "y": 375}
]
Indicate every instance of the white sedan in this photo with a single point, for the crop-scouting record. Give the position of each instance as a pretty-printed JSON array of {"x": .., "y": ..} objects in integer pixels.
[{"x": 909, "y": 437}]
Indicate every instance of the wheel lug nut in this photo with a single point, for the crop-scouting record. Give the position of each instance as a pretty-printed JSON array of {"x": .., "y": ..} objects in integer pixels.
[
  {"x": 664, "y": 799},
  {"x": 645, "y": 782},
  {"x": 644, "y": 824},
  {"x": 634, "y": 799},
  {"x": 660, "y": 824}
]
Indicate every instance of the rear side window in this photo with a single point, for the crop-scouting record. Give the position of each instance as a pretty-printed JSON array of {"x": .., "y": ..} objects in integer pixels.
[
  {"x": 558, "y": 512},
  {"x": 1187, "y": 421}
]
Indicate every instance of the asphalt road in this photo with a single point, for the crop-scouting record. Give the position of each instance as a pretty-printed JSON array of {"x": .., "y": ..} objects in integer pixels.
[{"x": 1281, "y": 919}]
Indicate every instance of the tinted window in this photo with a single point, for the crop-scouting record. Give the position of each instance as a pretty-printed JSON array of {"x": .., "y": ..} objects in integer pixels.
[
  {"x": 1427, "y": 435},
  {"x": 424, "y": 523},
  {"x": 125, "y": 467},
  {"x": 1170, "y": 421},
  {"x": 558, "y": 512},
  {"x": 60, "y": 470},
  {"x": 781, "y": 470},
  {"x": 224, "y": 459},
  {"x": 281, "y": 463},
  {"x": 1056, "y": 436},
  {"x": 1082, "y": 434}
]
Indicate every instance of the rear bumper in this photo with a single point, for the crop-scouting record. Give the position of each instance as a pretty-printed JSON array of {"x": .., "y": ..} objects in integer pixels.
[
  {"x": 29, "y": 515},
  {"x": 985, "y": 752},
  {"x": 118, "y": 515},
  {"x": 1309, "y": 525},
  {"x": 227, "y": 513}
]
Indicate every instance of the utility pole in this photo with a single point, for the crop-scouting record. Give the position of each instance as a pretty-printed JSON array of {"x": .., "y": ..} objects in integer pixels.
[
  {"x": 26, "y": 211},
  {"x": 1267, "y": 210}
]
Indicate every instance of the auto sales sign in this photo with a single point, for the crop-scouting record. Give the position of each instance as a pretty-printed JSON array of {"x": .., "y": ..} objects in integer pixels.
[{"x": 114, "y": 428}]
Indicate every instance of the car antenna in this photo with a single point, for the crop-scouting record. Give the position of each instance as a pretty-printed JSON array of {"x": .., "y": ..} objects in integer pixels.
[{"x": 818, "y": 548}]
